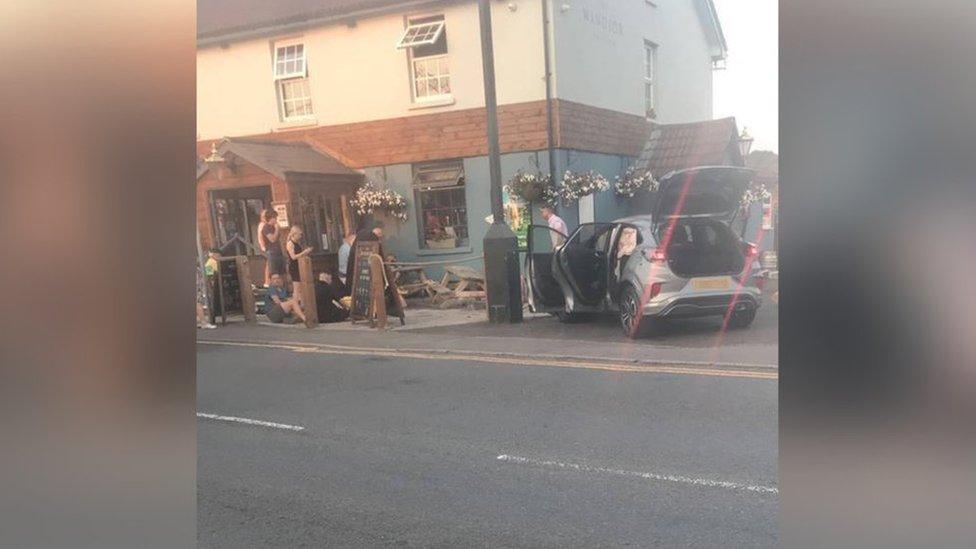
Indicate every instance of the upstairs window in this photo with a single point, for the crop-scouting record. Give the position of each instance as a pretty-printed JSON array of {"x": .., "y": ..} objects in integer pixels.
[
  {"x": 426, "y": 41},
  {"x": 650, "y": 69},
  {"x": 291, "y": 81}
]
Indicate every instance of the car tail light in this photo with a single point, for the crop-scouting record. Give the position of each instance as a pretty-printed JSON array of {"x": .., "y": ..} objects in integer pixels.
[
  {"x": 749, "y": 249},
  {"x": 655, "y": 289},
  {"x": 656, "y": 254}
]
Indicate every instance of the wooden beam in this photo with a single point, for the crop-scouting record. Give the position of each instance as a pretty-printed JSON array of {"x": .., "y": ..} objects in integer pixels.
[
  {"x": 247, "y": 294},
  {"x": 308, "y": 291}
]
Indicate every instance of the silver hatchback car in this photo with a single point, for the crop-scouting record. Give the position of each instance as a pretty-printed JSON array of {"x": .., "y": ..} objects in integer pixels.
[{"x": 682, "y": 260}]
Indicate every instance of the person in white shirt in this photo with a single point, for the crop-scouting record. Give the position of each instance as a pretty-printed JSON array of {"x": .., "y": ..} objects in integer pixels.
[
  {"x": 344, "y": 256},
  {"x": 557, "y": 224}
]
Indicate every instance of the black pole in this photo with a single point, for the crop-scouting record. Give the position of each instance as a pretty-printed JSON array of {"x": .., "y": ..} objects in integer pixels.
[
  {"x": 501, "y": 245},
  {"x": 491, "y": 105},
  {"x": 547, "y": 48}
]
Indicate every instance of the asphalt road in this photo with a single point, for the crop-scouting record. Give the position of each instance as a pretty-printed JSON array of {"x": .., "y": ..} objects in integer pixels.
[{"x": 405, "y": 452}]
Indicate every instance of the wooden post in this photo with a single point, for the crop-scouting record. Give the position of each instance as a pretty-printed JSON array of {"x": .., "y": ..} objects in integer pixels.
[
  {"x": 378, "y": 290},
  {"x": 247, "y": 294},
  {"x": 308, "y": 291}
]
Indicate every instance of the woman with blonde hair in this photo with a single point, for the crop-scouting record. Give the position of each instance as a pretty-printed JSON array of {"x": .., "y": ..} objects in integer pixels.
[{"x": 295, "y": 251}]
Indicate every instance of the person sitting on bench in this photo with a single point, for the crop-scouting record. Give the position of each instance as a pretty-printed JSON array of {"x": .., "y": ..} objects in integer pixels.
[{"x": 279, "y": 306}]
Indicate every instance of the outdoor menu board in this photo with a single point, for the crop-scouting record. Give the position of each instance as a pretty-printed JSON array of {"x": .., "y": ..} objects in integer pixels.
[{"x": 362, "y": 282}]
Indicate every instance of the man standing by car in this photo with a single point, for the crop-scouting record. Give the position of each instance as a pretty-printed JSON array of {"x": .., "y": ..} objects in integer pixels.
[{"x": 557, "y": 224}]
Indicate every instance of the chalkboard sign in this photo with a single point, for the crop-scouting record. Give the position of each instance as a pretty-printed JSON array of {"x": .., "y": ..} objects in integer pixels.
[
  {"x": 230, "y": 287},
  {"x": 362, "y": 281}
]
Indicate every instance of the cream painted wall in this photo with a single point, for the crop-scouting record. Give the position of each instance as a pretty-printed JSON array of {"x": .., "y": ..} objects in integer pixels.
[
  {"x": 356, "y": 73},
  {"x": 599, "y": 56}
]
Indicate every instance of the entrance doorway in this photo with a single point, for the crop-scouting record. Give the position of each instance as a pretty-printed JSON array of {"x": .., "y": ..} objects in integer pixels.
[{"x": 236, "y": 214}]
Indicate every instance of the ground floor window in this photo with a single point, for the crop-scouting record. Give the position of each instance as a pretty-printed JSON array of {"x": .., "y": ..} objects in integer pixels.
[
  {"x": 442, "y": 205},
  {"x": 323, "y": 216}
]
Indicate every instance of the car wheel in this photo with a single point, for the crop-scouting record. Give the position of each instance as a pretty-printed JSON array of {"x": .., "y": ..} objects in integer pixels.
[
  {"x": 569, "y": 318},
  {"x": 742, "y": 319},
  {"x": 634, "y": 324}
]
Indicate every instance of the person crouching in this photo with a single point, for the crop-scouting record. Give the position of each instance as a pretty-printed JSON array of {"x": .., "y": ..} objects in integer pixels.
[{"x": 280, "y": 308}]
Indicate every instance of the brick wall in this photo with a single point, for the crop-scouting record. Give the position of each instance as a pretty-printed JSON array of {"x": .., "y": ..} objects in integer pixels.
[{"x": 461, "y": 134}]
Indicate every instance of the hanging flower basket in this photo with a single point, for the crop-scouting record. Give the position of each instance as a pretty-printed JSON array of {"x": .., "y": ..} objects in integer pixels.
[
  {"x": 634, "y": 181},
  {"x": 757, "y": 192},
  {"x": 529, "y": 187},
  {"x": 577, "y": 185},
  {"x": 369, "y": 199}
]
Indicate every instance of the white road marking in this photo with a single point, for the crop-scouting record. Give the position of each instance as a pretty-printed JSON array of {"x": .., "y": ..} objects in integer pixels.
[
  {"x": 246, "y": 421},
  {"x": 707, "y": 483}
]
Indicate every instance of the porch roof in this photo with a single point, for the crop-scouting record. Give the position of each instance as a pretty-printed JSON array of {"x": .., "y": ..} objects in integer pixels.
[
  {"x": 678, "y": 146},
  {"x": 282, "y": 159}
]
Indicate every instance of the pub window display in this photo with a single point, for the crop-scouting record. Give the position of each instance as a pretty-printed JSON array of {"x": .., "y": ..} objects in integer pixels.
[{"x": 442, "y": 203}]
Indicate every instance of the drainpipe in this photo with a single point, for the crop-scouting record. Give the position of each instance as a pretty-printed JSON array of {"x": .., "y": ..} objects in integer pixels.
[{"x": 547, "y": 48}]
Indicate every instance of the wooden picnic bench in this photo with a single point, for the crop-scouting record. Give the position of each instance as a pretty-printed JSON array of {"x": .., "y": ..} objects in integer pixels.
[
  {"x": 413, "y": 280},
  {"x": 468, "y": 282}
]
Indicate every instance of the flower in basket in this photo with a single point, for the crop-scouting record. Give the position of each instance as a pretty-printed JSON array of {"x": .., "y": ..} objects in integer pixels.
[
  {"x": 577, "y": 185},
  {"x": 634, "y": 181},
  {"x": 369, "y": 199},
  {"x": 757, "y": 192},
  {"x": 530, "y": 187}
]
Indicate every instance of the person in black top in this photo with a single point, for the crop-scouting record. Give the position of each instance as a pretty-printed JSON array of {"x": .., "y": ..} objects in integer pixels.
[
  {"x": 295, "y": 251},
  {"x": 268, "y": 233},
  {"x": 327, "y": 295}
]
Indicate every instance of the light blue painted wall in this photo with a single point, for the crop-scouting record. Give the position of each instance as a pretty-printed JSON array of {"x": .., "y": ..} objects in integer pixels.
[{"x": 403, "y": 239}]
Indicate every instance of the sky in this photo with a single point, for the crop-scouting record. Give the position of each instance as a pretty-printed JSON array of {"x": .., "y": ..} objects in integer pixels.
[{"x": 748, "y": 88}]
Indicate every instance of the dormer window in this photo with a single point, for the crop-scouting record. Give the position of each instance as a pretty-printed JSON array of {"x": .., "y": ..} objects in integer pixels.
[
  {"x": 291, "y": 81},
  {"x": 425, "y": 40}
]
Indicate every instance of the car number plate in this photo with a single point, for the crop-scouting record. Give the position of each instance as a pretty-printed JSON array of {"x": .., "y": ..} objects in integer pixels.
[{"x": 712, "y": 283}]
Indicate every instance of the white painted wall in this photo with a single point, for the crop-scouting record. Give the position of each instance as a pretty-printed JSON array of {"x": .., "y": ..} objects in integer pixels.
[
  {"x": 599, "y": 49},
  {"x": 356, "y": 73}
]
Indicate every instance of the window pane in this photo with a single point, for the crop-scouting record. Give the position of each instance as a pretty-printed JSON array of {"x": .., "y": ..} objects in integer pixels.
[{"x": 445, "y": 85}]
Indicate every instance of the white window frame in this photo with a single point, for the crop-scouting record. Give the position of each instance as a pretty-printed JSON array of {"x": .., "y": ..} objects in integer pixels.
[
  {"x": 432, "y": 30},
  {"x": 650, "y": 78},
  {"x": 285, "y": 78},
  {"x": 300, "y": 72},
  {"x": 439, "y": 61}
]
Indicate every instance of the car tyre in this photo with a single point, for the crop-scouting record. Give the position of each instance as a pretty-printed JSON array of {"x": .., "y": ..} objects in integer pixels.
[
  {"x": 569, "y": 318},
  {"x": 634, "y": 324},
  {"x": 742, "y": 319}
]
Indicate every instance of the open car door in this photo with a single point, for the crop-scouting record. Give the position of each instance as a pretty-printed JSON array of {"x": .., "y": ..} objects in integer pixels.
[
  {"x": 582, "y": 265},
  {"x": 544, "y": 293}
]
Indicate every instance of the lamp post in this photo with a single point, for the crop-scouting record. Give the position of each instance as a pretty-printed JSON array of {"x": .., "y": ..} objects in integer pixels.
[
  {"x": 504, "y": 291},
  {"x": 745, "y": 143}
]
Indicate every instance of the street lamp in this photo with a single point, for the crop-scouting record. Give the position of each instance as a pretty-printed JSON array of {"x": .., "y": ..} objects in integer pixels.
[{"x": 745, "y": 143}]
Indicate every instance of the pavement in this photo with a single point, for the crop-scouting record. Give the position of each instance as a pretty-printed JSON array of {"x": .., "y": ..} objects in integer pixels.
[
  {"x": 691, "y": 341},
  {"x": 452, "y": 432}
]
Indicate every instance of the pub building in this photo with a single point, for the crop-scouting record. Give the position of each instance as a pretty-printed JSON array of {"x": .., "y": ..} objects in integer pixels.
[{"x": 241, "y": 177}]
